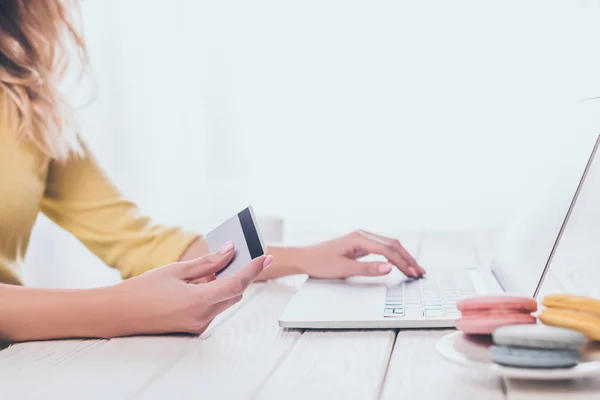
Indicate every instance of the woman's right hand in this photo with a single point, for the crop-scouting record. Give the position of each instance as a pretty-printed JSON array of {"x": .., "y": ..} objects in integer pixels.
[{"x": 169, "y": 299}]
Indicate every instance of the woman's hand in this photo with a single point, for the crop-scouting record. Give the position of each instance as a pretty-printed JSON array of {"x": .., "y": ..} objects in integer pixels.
[
  {"x": 339, "y": 258},
  {"x": 165, "y": 300},
  {"x": 173, "y": 299}
]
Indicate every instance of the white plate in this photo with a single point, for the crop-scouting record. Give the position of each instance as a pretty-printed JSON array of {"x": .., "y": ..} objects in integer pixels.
[{"x": 473, "y": 352}]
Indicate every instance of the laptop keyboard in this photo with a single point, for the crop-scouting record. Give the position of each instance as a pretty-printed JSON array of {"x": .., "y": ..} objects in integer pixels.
[{"x": 434, "y": 296}]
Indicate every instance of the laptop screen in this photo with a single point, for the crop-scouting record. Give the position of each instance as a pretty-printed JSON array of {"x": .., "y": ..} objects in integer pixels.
[{"x": 528, "y": 246}]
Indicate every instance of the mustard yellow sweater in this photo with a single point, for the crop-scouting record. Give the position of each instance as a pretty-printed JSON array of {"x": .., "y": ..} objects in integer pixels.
[{"x": 77, "y": 196}]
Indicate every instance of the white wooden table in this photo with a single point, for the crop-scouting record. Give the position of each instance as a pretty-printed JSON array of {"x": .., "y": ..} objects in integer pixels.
[{"x": 245, "y": 355}]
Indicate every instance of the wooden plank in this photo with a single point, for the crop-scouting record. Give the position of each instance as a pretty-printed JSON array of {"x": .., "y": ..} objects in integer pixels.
[
  {"x": 22, "y": 363},
  {"x": 48, "y": 381},
  {"x": 19, "y": 349},
  {"x": 415, "y": 364},
  {"x": 332, "y": 365},
  {"x": 584, "y": 389},
  {"x": 99, "y": 369},
  {"x": 335, "y": 364},
  {"x": 237, "y": 356},
  {"x": 251, "y": 292},
  {"x": 116, "y": 369},
  {"x": 416, "y": 371}
]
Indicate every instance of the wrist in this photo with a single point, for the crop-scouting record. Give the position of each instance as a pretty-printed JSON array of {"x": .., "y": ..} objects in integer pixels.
[
  {"x": 92, "y": 313},
  {"x": 96, "y": 313},
  {"x": 287, "y": 261},
  {"x": 120, "y": 312}
]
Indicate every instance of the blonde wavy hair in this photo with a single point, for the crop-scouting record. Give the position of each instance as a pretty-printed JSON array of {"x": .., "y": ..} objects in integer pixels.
[{"x": 35, "y": 36}]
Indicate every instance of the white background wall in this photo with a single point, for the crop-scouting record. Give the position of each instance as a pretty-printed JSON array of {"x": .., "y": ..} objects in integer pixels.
[{"x": 335, "y": 115}]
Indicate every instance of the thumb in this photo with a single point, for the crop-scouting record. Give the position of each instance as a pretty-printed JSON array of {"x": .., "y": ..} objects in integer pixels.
[
  {"x": 205, "y": 265},
  {"x": 367, "y": 268}
]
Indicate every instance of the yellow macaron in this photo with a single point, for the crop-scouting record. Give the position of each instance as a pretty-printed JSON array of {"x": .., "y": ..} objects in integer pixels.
[
  {"x": 579, "y": 313},
  {"x": 585, "y": 323},
  {"x": 573, "y": 302}
]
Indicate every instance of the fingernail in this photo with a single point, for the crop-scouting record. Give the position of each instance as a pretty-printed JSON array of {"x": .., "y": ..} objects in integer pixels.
[
  {"x": 226, "y": 248},
  {"x": 268, "y": 261},
  {"x": 413, "y": 272},
  {"x": 385, "y": 268}
]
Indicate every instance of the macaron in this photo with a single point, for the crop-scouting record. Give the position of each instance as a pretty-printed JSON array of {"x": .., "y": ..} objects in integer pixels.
[
  {"x": 580, "y": 313},
  {"x": 585, "y": 323},
  {"x": 521, "y": 357},
  {"x": 573, "y": 302},
  {"x": 538, "y": 336},
  {"x": 481, "y": 315}
]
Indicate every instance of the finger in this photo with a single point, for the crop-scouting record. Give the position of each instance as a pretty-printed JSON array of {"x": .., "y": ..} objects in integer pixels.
[
  {"x": 205, "y": 265},
  {"x": 228, "y": 288},
  {"x": 222, "y": 306},
  {"x": 398, "y": 246},
  {"x": 377, "y": 246},
  {"x": 204, "y": 279},
  {"x": 358, "y": 268}
]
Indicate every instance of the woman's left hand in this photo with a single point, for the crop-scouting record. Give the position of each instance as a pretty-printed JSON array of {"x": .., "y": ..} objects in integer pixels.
[{"x": 339, "y": 258}]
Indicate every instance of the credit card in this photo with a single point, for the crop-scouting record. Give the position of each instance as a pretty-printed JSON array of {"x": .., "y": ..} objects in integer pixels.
[{"x": 242, "y": 230}]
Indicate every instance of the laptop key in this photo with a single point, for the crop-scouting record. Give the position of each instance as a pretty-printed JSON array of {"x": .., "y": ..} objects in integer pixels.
[
  {"x": 393, "y": 297},
  {"x": 428, "y": 298},
  {"x": 393, "y": 305},
  {"x": 413, "y": 313},
  {"x": 435, "y": 313}
]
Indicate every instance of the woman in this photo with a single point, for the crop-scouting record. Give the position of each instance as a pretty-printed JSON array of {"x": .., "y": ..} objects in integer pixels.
[{"x": 45, "y": 166}]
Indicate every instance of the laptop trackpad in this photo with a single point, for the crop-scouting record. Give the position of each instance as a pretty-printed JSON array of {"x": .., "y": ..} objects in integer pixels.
[{"x": 336, "y": 300}]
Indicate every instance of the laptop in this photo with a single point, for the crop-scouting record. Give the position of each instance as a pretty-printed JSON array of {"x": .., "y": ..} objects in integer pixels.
[{"x": 519, "y": 266}]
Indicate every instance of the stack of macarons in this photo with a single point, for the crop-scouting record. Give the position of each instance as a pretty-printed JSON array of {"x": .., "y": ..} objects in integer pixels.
[
  {"x": 481, "y": 315},
  {"x": 579, "y": 313},
  {"x": 536, "y": 346},
  {"x": 519, "y": 341}
]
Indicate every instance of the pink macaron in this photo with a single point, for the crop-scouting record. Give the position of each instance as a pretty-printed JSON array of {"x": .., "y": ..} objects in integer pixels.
[{"x": 481, "y": 315}]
